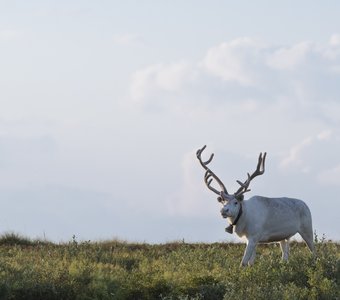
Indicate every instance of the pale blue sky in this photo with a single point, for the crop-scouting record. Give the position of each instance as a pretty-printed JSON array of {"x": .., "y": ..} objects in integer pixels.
[{"x": 104, "y": 103}]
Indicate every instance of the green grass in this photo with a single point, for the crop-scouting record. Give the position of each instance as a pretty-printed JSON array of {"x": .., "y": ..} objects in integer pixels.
[{"x": 120, "y": 270}]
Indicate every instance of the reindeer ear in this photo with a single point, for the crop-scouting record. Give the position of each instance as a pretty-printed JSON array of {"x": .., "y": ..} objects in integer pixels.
[{"x": 220, "y": 199}]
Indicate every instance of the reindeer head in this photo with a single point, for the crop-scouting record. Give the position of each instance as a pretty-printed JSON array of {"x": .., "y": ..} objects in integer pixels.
[{"x": 231, "y": 202}]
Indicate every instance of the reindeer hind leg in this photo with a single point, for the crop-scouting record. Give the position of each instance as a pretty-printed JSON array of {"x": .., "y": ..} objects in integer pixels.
[
  {"x": 284, "y": 244},
  {"x": 307, "y": 235}
]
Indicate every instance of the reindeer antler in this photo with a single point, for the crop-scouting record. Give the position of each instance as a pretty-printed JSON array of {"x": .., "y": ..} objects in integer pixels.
[
  {"x": 259, "y": 171},
  {"x": 210, "y": 175}
]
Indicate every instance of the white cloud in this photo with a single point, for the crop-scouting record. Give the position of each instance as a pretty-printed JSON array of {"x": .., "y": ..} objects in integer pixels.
[
  {"x": 246, "y": 72},
  {"x": 325, "y": 135},
  {"x": 160, "y": 77},
  {"x": 172, "y": 77},
  {"x": 249, "y": 106},
  {"x": 313, "y": 154},
  {"x": 241, "y": 88},
  {"x": 335, "y": 40},
  {"x": 331, "y": 51},
  {"x": 142, "y": 82},
  {"x": 234, "y": 61},
  {"x": 289, "y": 58},
  {"x": 294, "y": 156}
]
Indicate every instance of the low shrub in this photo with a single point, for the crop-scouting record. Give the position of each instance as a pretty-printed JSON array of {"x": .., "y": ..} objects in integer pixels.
[{"x": 120, "y": 270}]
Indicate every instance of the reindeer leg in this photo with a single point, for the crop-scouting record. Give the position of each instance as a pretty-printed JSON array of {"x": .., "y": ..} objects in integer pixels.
[
  {"x": 252, "y": 258},
  {"x": 284, "y": 244},
  {"x": 307, "y": 235},
  {"x": 249, "y": 253}
]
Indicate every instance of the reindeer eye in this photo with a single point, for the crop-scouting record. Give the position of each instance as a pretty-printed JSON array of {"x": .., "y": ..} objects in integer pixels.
[{"x": 235, "y": 203}]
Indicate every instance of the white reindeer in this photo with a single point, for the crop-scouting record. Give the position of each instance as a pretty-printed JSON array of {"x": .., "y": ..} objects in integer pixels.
[{"x": 261, "y": 219}]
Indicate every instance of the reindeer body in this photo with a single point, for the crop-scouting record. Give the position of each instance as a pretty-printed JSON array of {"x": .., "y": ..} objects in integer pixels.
[
  {"x": 260, "y": 219},
  {"x": 266, "y": 220}
]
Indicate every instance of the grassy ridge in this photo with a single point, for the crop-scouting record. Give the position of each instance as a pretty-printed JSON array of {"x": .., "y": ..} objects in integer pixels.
[{"x": 119, "y": 270}]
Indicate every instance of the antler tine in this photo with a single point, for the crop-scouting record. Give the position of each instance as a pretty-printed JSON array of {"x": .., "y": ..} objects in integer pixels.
[
  {"x": 259, "y": 171},
  {"x": 208, "y": 180},
  {"x": 210, "y": 175},
  {"x": 204, "y": 163},
  {"x": 260, "y": 165}
]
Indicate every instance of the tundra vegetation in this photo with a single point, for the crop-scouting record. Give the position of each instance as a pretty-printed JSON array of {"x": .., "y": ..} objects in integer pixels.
[{"x": 33, "y": 269}]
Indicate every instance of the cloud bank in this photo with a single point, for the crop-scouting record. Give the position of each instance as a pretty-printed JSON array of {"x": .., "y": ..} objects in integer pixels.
[
  {"x": 128, "y": 162},
  {"x": 304, "y": 73},
  {"x": 253, "y": 96}
]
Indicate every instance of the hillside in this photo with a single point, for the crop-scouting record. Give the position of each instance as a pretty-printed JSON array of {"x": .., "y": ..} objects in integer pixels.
[{"x": 120, "y": 270}]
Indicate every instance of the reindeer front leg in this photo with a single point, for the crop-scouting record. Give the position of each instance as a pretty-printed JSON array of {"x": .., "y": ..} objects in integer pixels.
[{"x": 249, "y": 254}]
